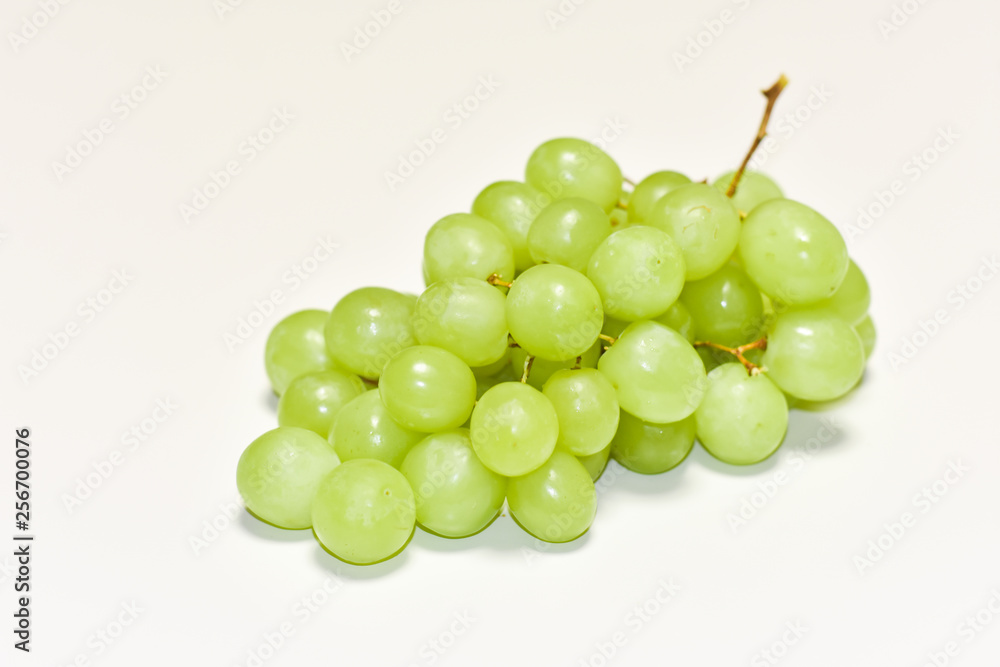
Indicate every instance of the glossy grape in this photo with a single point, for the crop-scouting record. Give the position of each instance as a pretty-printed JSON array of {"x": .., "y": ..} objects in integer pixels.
[
  {"x": 554, "y": 312},
  {"x": 279, "y": 472},
  {"x": 851, "y": 300},
  {"x": 793, "y": 253},
  {"x": 753, "y": 189},
  {"x": 564, "y": 168},
  {"x": 587, "y": 408},
  {"x": 512, "y": 206},
  {"x": 814, "y": 355},
  {"x": 597, "y": 463},
  {"x": 726, "y": 307},
  {"x": 555, "y": 503},
  {"x": 649, "y": 191},
  {"x": 428, "y": 389},
  {"x": 364, "y": 429},
  {"x": 514, "y": 429},
  {"x": 638, "y": 271},
  {"x": 658, "y": 375},
  {"x": 312, "y": 401},
  {"x": 704, "y": 224},
  {"x": 649, "y": 448},
  {"x": 456, "y": 494},
  {"x": 463, "y": 245},
  {"x": 743, "y": 417},
  {"x": 367, "y": 327},
  {"x": 364, "y": 512},
  {"x": 464, "y": 316},
  {"x": 567, "y": 232},
  {"x": 866, "y": 331},
  {"x": 295, "y": 346}
]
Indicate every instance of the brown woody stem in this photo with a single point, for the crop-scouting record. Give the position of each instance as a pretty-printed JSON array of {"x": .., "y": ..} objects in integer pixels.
[
  {"x": 739, "y": 352},
  {"x": 772, "y": 96}
]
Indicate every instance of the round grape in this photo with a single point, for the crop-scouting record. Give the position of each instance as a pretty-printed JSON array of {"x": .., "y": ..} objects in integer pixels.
[
  {"x": 364, "y": 512},
  {"x": 295, "y": 346},
  {"x": 514, "y": 429},
  {"x": 704, "y": 224},
  {"x": 650, "y": 449},
  {"x": 555, "y": 503},
  {"x": 753, "y": 189},
  {"x": 313, "y": 400},
  {"x": 367, "y": 327},
  {"x": 363, "y": 429},
  {"x": 428, "y": 389},
  {"x": 575, "y": 168},
  {"x": 463, "y": 245},
  {"x": 512, "y": 207},
  {"x": 649, "y": 191},
  {"x": 464, "y": 316},
  {"x": 567, "y": 232},
  {"x": 587, "y": 408},
  {"x": 726, "y": 307}
]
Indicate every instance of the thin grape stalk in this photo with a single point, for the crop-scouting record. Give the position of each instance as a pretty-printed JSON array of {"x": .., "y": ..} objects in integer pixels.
[{"x": 739, "y": 352}]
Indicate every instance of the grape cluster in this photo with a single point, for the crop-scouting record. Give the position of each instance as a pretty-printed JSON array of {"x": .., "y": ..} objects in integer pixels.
[{"x": 567, "y": 319}]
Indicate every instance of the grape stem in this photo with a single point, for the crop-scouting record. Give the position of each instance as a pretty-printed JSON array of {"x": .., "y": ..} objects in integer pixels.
[
  {"x": 607, "y": 339},
  {"x": 738, "y": 352},
  {"x": 628, "y": 180},
  {"x": 772, "y": 96},
  {"x": 511, "y": 342},
  {"x": 495, "y": 279},
  {"x": 528, "y": 360}
]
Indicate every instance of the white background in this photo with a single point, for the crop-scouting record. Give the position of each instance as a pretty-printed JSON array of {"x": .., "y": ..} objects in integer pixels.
[{"x": 887, "y": 97}]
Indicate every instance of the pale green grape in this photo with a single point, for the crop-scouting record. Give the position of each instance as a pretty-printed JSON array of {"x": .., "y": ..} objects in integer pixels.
[
  {"x": 312, "y": 401},
  {"x": 364, "y": 512},
  {"x": 555, "y": 503},
  {"x": 754, "y": 188},
  {"x": 567, "y": 232},
  {"x": 743, "y": 417},
  {"x": 649, "y": 448},
  {"x": 587, "y": 408},
  {"x": 596, "y": 463},
  {"x": 726, "y": 307},
  {"x": 456, "y": 494},
  {"x": 295, "y": 346},
  {"x": 565, "y": 168},
  {"x": 367, "y": 327},
  {"x": 814, "y": 355},
  {"x": 363, "y": 429},
  {"x": 649, "y": 191},
  {"x": 514, "y": 429},
  {"x": 428, "y": 389},
  {"x": 512, "y": 207},
  {"x": 554, "y": 312},
  {"x": 704, "y": 224},
  {"x": 463, "y": 245},
  {"x": 658, "y": 375},
  {"x": 464, "y": 316},
  {"x": 851, "y": 300},
  {"x": 618, "y": 217},
  {"x": 793, "y": 253},
  {"x": 678, "y": 318},
  {"x": 866, "y": 331},
  {"x": 279, "y": 473},
  {"x": 543, "y": 369},
  {"x": 494, "y": 369},
  {"x": 638, "y": 271}
]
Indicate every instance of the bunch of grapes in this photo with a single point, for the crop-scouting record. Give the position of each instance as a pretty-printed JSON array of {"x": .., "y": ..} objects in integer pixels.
[{"x": 568, "y": 319}]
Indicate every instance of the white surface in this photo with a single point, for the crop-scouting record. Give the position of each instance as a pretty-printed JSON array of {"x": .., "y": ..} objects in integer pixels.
[{"x": 162, "y": 336}]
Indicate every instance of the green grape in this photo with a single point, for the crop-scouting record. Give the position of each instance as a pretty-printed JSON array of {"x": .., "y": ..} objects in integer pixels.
[
  {"x": 587, "y": 408},
  {"x": 279, "y": 473},
  {"x": 743, "y": 417},
  {"x": 618, "y": 217},
  {"x": 364, "y": 512},
  {"x": 638, "y": 271},
  {"x": 555, "y": 503},
  {"x": 658, "y": 375},
  {"x": 851, "y": 300},
  {"x": 754, "y": 188},
  {"x": 554, "y": 312},
  {"x": 295, "y": 346},
  {"x": 866, "y": 331},
  {"x": 512, "y": 207},
  {"x": 456, "y": 494},
  {"x": 704, "y": 224},
  {"x": 566, "y": 232},
  {"x": 649, "y": 191},
  {"x": 494, "y": 369},
  {"x": 575, "y": 168},
  {"x": 678, "y": 318},
  {"x": 514, "y": 429},
  {"x": 463, "y": 245},
  {"x": 464, "y": 316},
  {"x": 367, "y": 327},
  {"x": 650, "y": 449},
  {"x": 793, "y": 253},
  {"x": 312, "y": 401},
  {"x": 364, "y": 429},
  {"x": 428, "y": 389},
  {"x": 596, "y": 464},
  {"x": 542, "y": 369},
  {"x": 814, "y": 355},
  {"x": 726, "y": 307}
]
